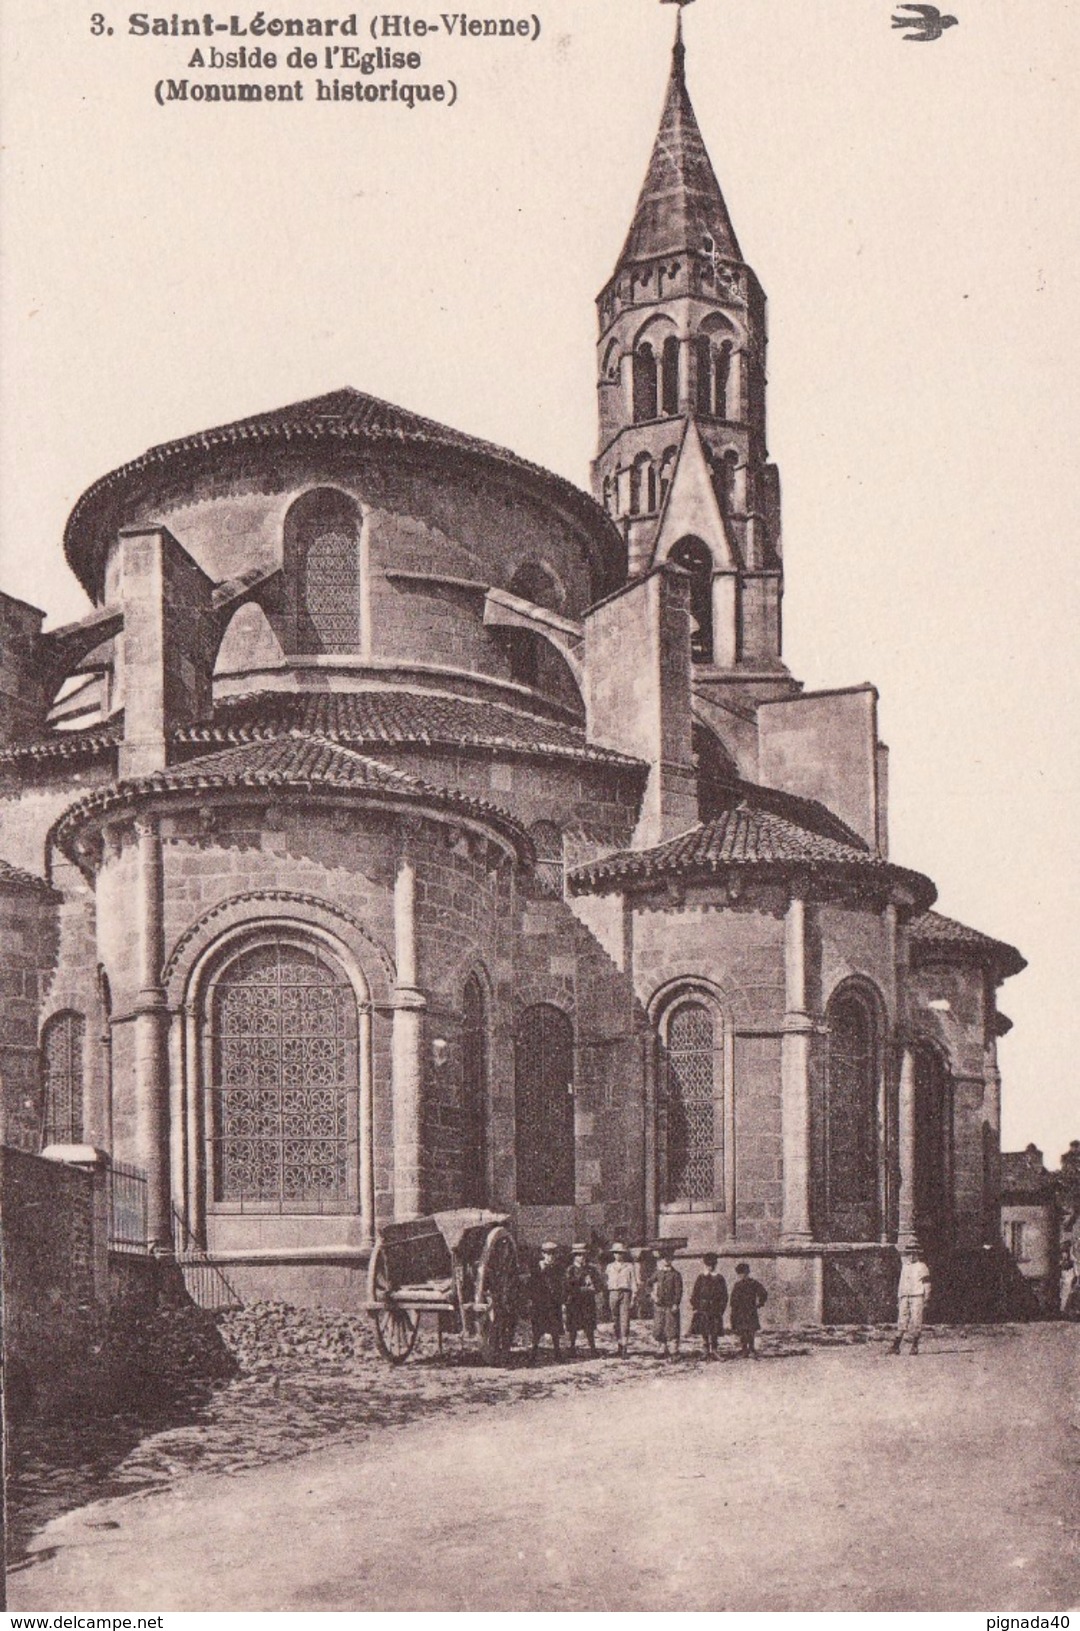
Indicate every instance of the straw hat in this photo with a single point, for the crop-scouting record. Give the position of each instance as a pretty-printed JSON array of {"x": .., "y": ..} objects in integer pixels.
[
  {"x": 549, "y": 1246},
  {"x": 619, "y": 1250},
  {"x": 579, "y": 1248}
]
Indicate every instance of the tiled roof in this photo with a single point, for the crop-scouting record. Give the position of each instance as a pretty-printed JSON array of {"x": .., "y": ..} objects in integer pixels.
[
  {"x": 296, "y": 761},
  {"x": 13, "y": 877},
  {"x": 745, "y": 835},
  {"x": 680, "y": 203},
  {"x": 342, "y": 418},
  {"x": 358, "y": 719},
  {"x": 934, "y": 934},
  {"x": 369, "y": 717},
  {"x": 92, "y": 743}
]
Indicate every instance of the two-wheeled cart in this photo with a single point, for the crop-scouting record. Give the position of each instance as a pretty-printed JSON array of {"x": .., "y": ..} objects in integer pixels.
[{"x": 460, "y": 1266}]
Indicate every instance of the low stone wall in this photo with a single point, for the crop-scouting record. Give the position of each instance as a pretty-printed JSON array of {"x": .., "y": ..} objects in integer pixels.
[{"x": 71, "y": 1310}]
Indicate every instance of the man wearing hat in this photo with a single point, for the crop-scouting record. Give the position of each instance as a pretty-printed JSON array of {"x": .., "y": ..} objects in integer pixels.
[
  {"x": 708, "y": 1300},
  {"x": 667, "y": 1292},
  {"x": 621, "y": 1277},
  {"x": 580, "y": 1286},
  {"x": 546, "y": 1298}
]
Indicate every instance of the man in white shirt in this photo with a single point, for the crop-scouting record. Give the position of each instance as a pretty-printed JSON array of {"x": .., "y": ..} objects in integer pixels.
[
  {"x": 912, "y": 1295},
  {"x": 621, "y": 1277}
]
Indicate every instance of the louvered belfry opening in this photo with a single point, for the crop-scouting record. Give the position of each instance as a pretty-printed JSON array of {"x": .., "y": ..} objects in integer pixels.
[{"x": 284, "y": 1077}]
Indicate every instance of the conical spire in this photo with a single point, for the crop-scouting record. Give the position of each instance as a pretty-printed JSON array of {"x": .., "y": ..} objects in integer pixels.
[{"x": 680, "y": 207}]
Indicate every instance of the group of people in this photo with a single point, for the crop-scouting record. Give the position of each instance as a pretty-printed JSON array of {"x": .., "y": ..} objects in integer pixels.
[{"x": 566, "y": 1301}]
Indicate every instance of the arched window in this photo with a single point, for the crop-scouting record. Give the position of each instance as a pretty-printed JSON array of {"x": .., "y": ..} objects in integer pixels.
[
  {"x": 851, "y": 1117},
  {"x": 62, "y": 1079},
  {"x": 534, "y": 583},
  {"x": 713, "y": 373},
  {"x": 933, "y": 1146},
  {"x": 692, "y": 1106},
  {"x": 283, "y": 1052},
  {"x": 322, "y": 567},
  {"x": 474, "y": 1175},
  {"x": 694, "y": 557},
  {"x": 642, "y": 486},
  {"x": 544, "y": 1107},
  {"x": 548, "y": 872},
  {"x": 608, "y": 495},
  {"x": 667, "y": 470},
  {"x": 669, "y": 375},
  {"x": 645, "y": 383}
]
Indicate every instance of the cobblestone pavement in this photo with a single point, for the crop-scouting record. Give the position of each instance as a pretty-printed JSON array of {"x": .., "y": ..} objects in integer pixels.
[
  {"x": 339, "y": 1420},
  {"x": 308, "y": 1379}
]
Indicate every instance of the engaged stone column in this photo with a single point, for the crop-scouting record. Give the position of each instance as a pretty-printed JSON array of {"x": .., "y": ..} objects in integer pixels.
[
  {"x": 906, "y": 1232},
  {"x": 151, "y": 1021},
  {"x": 795, "y": 1079},
  {"x": 406, "y": 1068}
]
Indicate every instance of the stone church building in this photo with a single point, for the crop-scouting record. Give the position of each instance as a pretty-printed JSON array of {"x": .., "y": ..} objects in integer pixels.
[{"x": 405, "y": 828}]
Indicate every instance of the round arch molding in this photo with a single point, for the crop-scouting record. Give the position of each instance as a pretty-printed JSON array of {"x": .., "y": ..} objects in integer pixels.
[{"x": 281, "y": 908}]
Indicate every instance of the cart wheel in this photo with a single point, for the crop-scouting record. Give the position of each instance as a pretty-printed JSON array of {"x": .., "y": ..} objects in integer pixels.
[
  {"x": 396, "y": 1329},
  {"x": 497, "y": 1293}
]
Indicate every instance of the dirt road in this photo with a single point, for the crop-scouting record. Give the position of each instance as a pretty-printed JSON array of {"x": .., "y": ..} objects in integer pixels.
[{"x": 834, "y": 1479}]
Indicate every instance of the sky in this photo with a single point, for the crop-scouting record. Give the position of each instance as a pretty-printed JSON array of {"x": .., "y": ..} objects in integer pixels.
[{"x": 909, "y": 208}]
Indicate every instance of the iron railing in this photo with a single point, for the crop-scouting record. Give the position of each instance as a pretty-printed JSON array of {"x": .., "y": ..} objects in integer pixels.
[{"x": 127, "y": 1208}]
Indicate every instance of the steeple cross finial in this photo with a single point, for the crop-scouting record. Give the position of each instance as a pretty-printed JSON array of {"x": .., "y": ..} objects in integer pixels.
[{"x": 678, "y": 23}]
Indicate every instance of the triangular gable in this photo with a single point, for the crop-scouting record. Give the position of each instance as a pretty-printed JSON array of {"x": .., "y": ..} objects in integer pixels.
[{"x": 692, "y": 508}]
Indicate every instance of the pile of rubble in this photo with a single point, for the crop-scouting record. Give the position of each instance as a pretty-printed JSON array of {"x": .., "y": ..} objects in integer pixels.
[{"x": 268, "y": 1335}]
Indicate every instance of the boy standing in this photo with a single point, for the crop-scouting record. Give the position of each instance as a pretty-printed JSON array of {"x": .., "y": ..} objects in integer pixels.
[
  {"x": 621, "y": 1277},
  {"x": 667, "y": 1292},
  {"x": 747, "y": 1296},
  {"x": 579, "y": 1289},
  {"x": 912, "y": 1295},
  {"x": 708, "y": 1300},
  {"x": 545, "y": 1298}
]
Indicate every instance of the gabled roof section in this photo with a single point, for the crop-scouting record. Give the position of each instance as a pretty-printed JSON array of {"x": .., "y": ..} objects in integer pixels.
[
  {"x": 935, "y": 937},
  {"x": 692, "y": 507},
  {"x": 295, "y": 762},
  {"x": 680, "y": 204}
]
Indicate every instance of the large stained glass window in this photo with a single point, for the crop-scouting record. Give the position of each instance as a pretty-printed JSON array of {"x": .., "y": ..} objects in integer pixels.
[
  {"x": 62, "y": 1079},
  {"x": 284, "y": 1074},
  {"x": 692, "y": 1122}
]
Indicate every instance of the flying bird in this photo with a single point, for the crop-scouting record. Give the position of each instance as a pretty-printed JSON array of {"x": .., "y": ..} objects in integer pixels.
[{"x": 927, "y": 25}]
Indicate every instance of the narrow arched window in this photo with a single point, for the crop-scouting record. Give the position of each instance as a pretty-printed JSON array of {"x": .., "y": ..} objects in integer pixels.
[
  {"x": 322, "y": 568},
  {"x": 544, "y": 1107},
  {"x": 536, "y": 584},
  {"x": 667, "y": 470},
  {"x": 691, "y": 1106},
  {"x": 721, "y": 377},
  {"x": 645, "y": 393},
  {"x": 283, "y": 1051},
  {"x": 933, "y": 1147},
  {"x": 474, "y": 1161},
  {"x": 62, "y": 1043},
  {"x": 548, "y": 870},
  {"x": 851, "y": 1116},
  {"x": 703, "y": 358},
  {"x": 692, "y": 554},
  {"x": 669, "y": 369}
]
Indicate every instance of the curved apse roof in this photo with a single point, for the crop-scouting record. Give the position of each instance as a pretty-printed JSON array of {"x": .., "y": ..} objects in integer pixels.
[{"x": 339, "y": 420}]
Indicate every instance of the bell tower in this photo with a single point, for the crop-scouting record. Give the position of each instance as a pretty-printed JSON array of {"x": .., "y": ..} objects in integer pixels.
[{"x": 682, "y": 464}]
